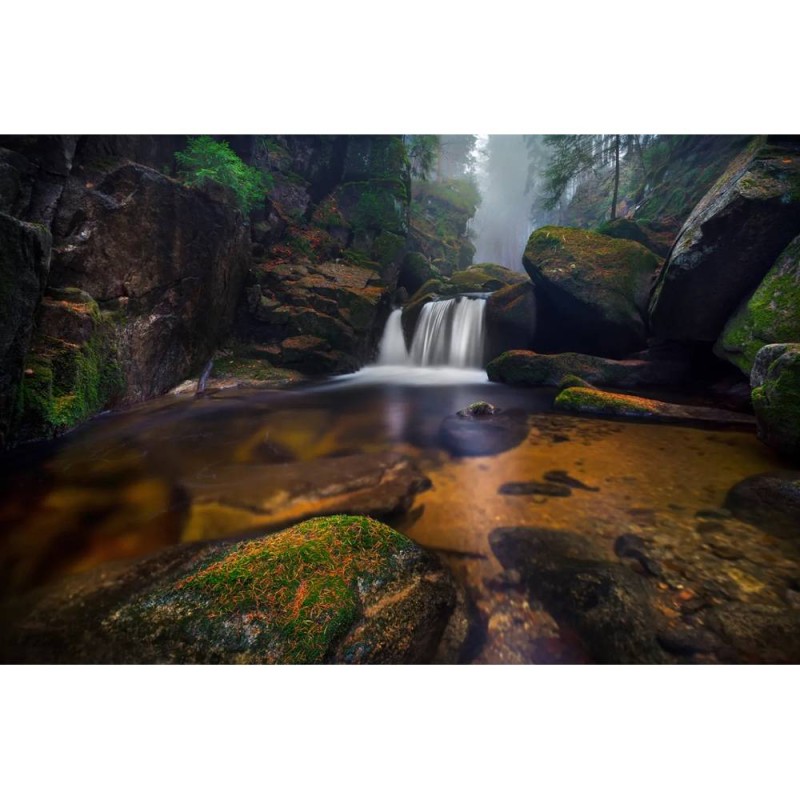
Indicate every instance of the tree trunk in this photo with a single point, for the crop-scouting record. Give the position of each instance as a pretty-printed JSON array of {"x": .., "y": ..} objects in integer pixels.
[{"x": 616, "y": 178}]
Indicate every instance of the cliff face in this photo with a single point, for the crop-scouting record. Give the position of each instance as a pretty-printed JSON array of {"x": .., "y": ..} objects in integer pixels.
[{"x": 120, "y": 281}]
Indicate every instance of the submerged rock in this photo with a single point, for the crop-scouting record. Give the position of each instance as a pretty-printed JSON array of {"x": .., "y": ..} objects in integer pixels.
[
  {"x": 267, "y": 496},
  {"x": 728, "y": 243},
  {"x": 591, "y": 290},
  {"x": 535, "y": 487},
  {"x": 482, "y": 434},
  {"x": 330, "y": 590},
  {"x": 770, "y": 315},
  {"x": 776, "y": 397},
  {"x": 770, "y": 500},
  {"x": 605, "y": 603},
  {"x": 609, "y": 404},
  {"x": 526, "y": 368}
]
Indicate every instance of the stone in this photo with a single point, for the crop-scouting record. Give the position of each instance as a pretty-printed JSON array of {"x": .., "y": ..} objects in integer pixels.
[
  {"x": 776, "y": 397},
  {"x": 769, "y": 500},
  {"x": 535, "y": 487},
  {"x": 268, "y": 496},
  {"x": 770, "y": 315},
  {"x": 338, "y": 589},
  {"x": 728, "y": 243},
  {"x": 510, "y": 319},
  {"x": 607, "y": 605},
  {"x": 527, "y": 368},
  {"x": 591, "y": 291},
  {"x": 484, "y": 434},
  {"x": 169, "y": 260},
  {"x": 24, "y": 265},
  {"x": 608, "y": 404},
  {"x": 635, "y": 231}
]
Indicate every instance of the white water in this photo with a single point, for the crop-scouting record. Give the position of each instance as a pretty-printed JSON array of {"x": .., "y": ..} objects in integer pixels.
[{"x": 449, "y": 333}]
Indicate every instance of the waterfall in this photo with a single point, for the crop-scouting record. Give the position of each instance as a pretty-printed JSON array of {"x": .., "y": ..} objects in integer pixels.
[{"x": 448, "y": 333}]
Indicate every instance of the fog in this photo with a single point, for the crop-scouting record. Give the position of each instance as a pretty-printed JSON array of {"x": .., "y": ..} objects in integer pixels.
[{"x": 502, "y": 223}]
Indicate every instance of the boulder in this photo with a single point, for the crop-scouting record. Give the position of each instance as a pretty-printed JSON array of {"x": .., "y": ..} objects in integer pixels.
[
  {"x": 485, "y": 278},
  {"x": 581, "y": 400},
  {"x": 591, "y": 290},
  {"x": 24, "y": 264},
  {"x": 728, "y": 243},
  {"x": 776, "y": 397},
  {"x": 605, "y": 603},
  {"x": 769, "y": 500},
  {"x": 338, "y": 589},
  {"x": 526, "y": 368},
  {"x": 770, "y": 315},
  {"x": 169, "y": 261},
  {"x": 510, "y": 319},
  {"x": 415, "y": 271},
  {"x": 635, "y": 231},
  {"x": 481, "y": 431}
]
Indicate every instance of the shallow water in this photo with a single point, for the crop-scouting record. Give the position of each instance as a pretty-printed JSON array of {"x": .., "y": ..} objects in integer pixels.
[{"x": 116, "y": 487}]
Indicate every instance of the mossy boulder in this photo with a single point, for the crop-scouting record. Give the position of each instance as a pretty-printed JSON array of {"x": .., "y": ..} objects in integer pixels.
[
  {"x": 729, "y": 243},
  {"x": 526, "y": 368},
  {"x": 485, "y": 278},
  {"x": 591, "y": 290},
  {"x": 770, "y": 315},
  {"x": 595, "y": 402},
  {"x": 511, "y": 319},
  {"x": 338, "y": 589},
  {"x": 24, "y": 264},
  {"x": 416, "y": 271},
  {"x": 635, "y": 231},
  {"x": 776, "y": 397}
]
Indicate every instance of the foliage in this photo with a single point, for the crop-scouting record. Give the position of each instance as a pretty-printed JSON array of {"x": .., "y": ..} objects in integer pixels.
[
  {"x": 205, "y": 160},
  {"x": 423, "y": 151}
]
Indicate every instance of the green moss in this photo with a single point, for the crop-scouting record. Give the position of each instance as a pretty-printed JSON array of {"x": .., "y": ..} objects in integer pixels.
[
  {"x": 771, "y": 315},
  {"x": 572, "y": 382},
  {"x": 594, "y": 401},
  {"x": 485, "y": 277},
  {"x": 65, "y": 384},
  {"x": 776, "y": 403},
  {"x": 303, "y": 582}
]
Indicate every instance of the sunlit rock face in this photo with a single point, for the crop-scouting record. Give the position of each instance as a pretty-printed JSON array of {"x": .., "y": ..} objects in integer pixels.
[
  {"x": 729, "y": 242},
  {"x": 591, "y": 291}
]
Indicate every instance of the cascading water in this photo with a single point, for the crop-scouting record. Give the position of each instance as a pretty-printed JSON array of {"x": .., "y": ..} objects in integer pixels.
[{"x": 449, "y": 333}]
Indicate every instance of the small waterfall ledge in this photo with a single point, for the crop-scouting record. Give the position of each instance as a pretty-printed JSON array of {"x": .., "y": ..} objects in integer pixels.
[{"x": 448, "y": 333}]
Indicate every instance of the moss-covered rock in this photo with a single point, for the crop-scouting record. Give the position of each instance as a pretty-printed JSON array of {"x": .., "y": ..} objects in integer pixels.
[
  {"x": 72, "y": 371},
  {"x": 591, "y": 290},
  {"x": 486, "y": 278},
  {"x": 776, "y": 397},
  {"x": 729, "y": 243},
  {"x": 770, "y": 315},
  {"x": 24, "y": 263},
  {"x": 635, "y": 231},
  {"x": 526, "y": 368},
  {"x": 608, "y": 404},
  {"x": 338, "y": 589},
  {"x": 416, "y": 271},
  {"x": 511, "y": 319}
]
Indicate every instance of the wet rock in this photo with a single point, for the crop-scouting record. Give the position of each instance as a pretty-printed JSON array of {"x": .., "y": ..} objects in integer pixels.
[
  {"x": 510, "y": 319},
  {"x": 591, "y": 290},
  {"x": 535, "y": 487},
  {"x": 560, "y": 476},
  {"x": 629, "y": 545},
  {"x": 267, "y": 496},
  {"x": 723, "y": 547},
  {"x": 24, "y": 264},
  {"x": 768, "y": 316},
  {"x": 482, "y": 435},
  {"x": 689, "y": 641},
  {"x": 526, "y": 368},
  {"x": 728, "y": 243},
  {"x": 770, "y": 501},
  {"x": 776, "y": 397},
  {"x": 332, "y": 589},
  {"x": 759, "y": 634},
  {"x": 606, "y": 604},
  {"x": 609, "y": 404},
  {"x": 478, "y": 409}
]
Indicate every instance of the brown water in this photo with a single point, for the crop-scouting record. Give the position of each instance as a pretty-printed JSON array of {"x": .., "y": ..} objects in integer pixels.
[{"x": 115, "y": 488}]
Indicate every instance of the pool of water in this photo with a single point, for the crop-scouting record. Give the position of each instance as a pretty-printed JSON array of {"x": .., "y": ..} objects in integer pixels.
[{"x": 116, "y": 487}]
